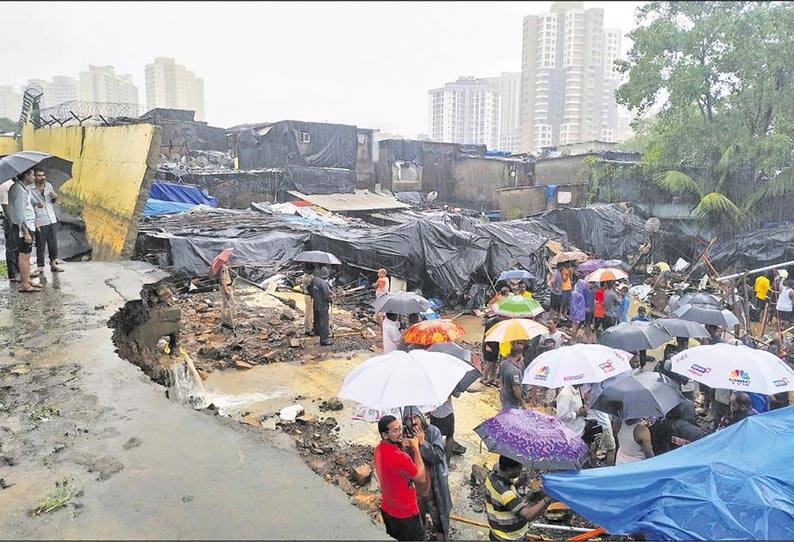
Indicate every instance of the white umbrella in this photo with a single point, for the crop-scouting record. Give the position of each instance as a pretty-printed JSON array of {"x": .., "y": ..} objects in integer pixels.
[
  {"x": 729, "y": 367},
  {"x": 399, "y": 379},
  {"x": 576, "y": 364}
]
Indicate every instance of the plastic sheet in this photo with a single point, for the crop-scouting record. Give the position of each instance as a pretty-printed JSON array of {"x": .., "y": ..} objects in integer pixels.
[
  {"x": 734, "y": 484},
  {"x": 609, "y": 231},
  {"x": 751, "y": 250},
  {"x": 159, "y": 207},
  {"x": 184, "y": 193}
]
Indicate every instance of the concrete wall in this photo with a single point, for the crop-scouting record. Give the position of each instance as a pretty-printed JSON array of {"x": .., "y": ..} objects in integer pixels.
[
  {"x": 8, "y": 145},
  {"x": 238, "y": 189},
  {"x": 564, "y": 170},
  {"x": 531, "y": 200},
  {"x": 476, "y": 181},
  {"x": 113, "y": 168}
]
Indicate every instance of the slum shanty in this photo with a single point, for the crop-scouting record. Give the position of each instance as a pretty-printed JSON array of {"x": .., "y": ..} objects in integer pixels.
[{"x": 237, "y": 329}]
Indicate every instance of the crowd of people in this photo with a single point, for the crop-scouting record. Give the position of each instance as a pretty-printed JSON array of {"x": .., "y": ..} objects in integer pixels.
[
  {"x": 29, "y": 218},
  {"x": 412, "y": 462}
]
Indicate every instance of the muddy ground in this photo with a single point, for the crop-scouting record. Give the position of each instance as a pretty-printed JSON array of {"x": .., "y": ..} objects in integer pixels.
[
  {"x": 90, "y": 447},
  {"x": 337, "y": 447}
]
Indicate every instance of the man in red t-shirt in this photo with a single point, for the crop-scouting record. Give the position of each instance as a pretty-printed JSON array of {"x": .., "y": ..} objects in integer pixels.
[{"x": 397, "y": 474}]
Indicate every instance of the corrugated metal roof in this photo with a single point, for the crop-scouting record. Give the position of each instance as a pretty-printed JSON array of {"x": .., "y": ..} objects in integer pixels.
[{"x": 360, "y": 200}]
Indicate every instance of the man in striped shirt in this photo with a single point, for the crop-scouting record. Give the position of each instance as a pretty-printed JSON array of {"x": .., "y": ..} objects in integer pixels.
[{"x": 508, "y": 514}]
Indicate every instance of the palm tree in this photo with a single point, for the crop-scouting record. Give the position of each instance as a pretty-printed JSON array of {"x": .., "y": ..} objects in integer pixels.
[{"x": 714, "y": 206}]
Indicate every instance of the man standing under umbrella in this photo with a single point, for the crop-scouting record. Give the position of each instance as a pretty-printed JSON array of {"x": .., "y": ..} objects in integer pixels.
[
  {"x": 12, "y": 252},
  {"x": 508, "y": 514},
  {"x": 398, "y": 473},
  {"x": 23, "y": 219},
  {"x": 510, "y": 372},
  {"x": 391, "y": 332},
  {"x": 44, "y": 198},
  {"x": 322, "y": 297}
]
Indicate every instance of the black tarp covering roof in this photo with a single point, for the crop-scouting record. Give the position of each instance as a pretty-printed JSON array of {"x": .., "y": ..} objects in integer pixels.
[
  {"x": 610, "y": 231},
  {"x": 753, "y": 249},
  {"x": 319, "y": 158}
]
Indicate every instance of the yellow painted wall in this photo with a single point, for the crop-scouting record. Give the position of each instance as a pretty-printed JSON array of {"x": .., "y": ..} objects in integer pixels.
[
  {"x": 112, "y": 171},
  {"x": 8, "y": 145}
]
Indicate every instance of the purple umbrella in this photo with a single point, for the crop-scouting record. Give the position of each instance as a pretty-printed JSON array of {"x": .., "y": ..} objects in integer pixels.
[
  {"x": 533, "y": 439},
  {"x": 589, "y": 266}
]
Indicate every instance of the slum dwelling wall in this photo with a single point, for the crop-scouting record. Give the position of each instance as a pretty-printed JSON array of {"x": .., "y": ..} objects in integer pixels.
[
  {"x": 112, "y": 172},
  {"x": 527, "y": 201},
  {"x": 476, "y": 181}
]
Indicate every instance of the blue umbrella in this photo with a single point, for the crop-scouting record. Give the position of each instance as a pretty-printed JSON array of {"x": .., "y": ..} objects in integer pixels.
[{"x": 516, "y": 274}]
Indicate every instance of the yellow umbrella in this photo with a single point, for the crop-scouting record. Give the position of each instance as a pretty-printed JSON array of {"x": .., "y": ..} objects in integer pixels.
[{"x": 515, "y": 329}]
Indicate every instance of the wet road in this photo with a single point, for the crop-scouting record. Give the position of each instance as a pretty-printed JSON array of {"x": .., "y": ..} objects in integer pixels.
[{"x": 148, "y": 467}]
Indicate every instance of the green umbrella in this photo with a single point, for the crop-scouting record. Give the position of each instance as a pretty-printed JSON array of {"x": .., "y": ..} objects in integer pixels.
[{"x": 516, "y": 306}]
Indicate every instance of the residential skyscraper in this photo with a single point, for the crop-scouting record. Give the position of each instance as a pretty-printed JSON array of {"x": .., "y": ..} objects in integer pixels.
[
  {"x": 10, "y": 102},
  {"x": 172, "y": 85},
  {"x": 466, "y": 111},
  {"x": 567, "y": 77},
  {"x": 508, "y": 85},
  {"x": 100, "y": 84}
]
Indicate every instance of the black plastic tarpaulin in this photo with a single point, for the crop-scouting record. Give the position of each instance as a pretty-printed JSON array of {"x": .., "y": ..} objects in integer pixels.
[
  {"x": 753, "y": 249},
  {"x": 610, "y": 231},
  {"x": 291, "y": 142},
  {"x": 319, "y": 180},
  {"x": 193, "y": 255}
]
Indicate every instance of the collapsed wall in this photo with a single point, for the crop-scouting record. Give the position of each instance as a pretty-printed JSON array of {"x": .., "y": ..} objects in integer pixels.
[{"x": 112, "y": 170}]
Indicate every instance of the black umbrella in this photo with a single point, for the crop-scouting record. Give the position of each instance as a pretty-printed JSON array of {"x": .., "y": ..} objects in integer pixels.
[
  {"x": 461, "y": 353},
  {"x": 706, "y": 315},
  {"x": 634, "y": 336},
  {"x": 682, "y": 328},
  {"x": 401, "y": 303},
  {"x": 317, "y": 256},
  {"x": 697, "y": 298},
  {"x": 58, "y": 170},
  {"x": 646, "y": 395}
]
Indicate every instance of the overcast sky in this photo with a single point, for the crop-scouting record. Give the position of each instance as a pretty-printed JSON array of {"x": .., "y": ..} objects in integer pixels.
[{"x": 369, "y": 64}]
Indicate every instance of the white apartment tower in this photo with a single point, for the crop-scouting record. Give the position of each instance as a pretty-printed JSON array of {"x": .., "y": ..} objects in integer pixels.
[
  {"x": 466, "y": 111},
  {"x": 567, "y": 80},
  {"x": 508, "y": 85},
  {"x": 100, "y": 84},
  {"x": 10, "y": 102},
  {"x": 171, "y": 85},
  {"x": 58, "y": 90}
]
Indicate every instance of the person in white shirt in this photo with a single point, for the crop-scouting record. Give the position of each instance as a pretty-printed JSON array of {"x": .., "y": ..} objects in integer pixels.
[
  {"x": 44, "y": 198},
  {"x": 12, "y": 251},
  {"x": 570, "y": 409},
  {"x": 391, "y": 332},
  {"x": 606, "y": 439},
  {"x": 23, "y": 221},
  {"x": 554, "y": 334}
]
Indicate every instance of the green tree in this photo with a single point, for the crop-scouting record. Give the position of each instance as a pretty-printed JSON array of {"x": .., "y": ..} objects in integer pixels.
[
  {"x": 716, "y": 78},
  {"x": 8, "y": 125}
]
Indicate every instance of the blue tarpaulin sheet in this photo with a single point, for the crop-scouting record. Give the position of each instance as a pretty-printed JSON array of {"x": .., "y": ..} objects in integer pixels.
[
  {"x": 737, "y": 483},
  {"x": 184, "y": 193},
  {"x": 160, "y": 207}
]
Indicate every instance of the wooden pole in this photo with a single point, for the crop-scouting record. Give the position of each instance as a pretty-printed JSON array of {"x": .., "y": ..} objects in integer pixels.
[{"x": 756, "y": 271}]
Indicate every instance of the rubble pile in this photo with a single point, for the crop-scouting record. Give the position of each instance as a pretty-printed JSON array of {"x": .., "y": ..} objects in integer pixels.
[
  {"x": 348, "y": 466},
  {"x": 261, "y": 335}
]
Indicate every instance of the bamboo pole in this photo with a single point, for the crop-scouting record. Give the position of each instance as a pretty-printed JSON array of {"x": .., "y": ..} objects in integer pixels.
[{"x": 755, "y": 271}]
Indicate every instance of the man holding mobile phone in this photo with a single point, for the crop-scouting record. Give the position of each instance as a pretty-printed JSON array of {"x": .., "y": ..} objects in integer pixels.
[{"x": 397, "y": 473}]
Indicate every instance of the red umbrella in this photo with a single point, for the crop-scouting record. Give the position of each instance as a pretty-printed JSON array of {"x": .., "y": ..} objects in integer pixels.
[{"x": 219, "y": 261}]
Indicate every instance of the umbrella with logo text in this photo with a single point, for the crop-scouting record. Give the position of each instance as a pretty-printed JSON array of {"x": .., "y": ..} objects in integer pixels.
[
  {"x": 725, "y": 366},
  {"x": 576, "y": 364}
]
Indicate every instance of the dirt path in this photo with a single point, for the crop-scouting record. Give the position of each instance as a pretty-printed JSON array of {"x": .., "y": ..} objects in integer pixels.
[{"x": 135, "y": 464}]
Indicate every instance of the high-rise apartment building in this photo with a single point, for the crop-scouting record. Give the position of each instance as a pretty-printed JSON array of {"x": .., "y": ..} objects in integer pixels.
[
  {"x": 508, "y": 85},
  {"x": 100, "y": 84},
  {"x": 10, "y": 102},
  {"x": 466, "y": 111},
  {"x": 172, "y": 85},
  {"x": 56, "y": 91},
  {"x": 567, "y": 77}
]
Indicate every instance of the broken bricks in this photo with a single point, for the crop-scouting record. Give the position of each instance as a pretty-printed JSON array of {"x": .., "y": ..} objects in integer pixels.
[{"x": 362, "y": 474}]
